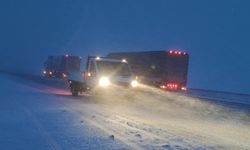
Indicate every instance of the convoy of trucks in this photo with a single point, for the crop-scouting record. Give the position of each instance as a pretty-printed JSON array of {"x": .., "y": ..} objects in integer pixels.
[{"x": 164, "y": 69}]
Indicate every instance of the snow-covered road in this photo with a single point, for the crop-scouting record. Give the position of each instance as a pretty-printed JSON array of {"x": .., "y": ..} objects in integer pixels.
[{"x": 39, "y": 116}]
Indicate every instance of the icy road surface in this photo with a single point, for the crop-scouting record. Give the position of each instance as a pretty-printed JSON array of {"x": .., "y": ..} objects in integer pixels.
[{"x": 39, "y": 114}]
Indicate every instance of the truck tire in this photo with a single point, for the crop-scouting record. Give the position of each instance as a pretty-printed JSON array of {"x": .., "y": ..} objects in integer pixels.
[
  {"x": 75, "y": 93},
  {"x": 73, "y": 89}
]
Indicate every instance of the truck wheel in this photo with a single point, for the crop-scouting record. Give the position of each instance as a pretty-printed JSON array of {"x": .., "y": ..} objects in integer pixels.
[
  {"x": 74, "y": 90},
  {"x": 75, "y": 93}
]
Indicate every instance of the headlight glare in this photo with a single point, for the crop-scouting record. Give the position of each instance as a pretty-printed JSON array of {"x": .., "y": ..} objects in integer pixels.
[
  {"x": 104, "y": 81},
  {"x": 134, "y": 83}
]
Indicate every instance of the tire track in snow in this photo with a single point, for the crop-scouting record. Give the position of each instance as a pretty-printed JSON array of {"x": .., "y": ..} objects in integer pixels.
[
  {"x": 89, "y": 118},
  {"x": 134, "y": 134}
]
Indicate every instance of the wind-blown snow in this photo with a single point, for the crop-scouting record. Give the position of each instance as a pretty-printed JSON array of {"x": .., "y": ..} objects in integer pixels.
[
  {"x": 40, "y": 121},
  {"x": 37, "y": 115}
]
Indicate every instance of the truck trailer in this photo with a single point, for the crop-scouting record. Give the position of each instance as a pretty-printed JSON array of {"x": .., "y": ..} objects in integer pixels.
[
  {"x": 164, "y": 69},
  {"x": 61, "y": 65}
]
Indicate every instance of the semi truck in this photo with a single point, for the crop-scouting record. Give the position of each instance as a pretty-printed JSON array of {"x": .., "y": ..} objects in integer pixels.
[
  {"x": 100, "y": 74},
  {"x": 164, "y": 69},
  {"x": 61, "y": 65}
]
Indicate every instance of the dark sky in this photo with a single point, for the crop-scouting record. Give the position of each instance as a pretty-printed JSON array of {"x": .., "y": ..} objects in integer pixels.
[{"x": 216, "y": 34}]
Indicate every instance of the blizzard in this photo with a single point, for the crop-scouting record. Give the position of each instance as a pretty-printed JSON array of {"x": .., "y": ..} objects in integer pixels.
[{"x": 40, "y": 113}]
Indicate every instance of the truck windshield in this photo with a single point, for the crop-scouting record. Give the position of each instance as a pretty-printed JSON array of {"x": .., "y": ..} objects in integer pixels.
[{"x": 113, "y": 68}]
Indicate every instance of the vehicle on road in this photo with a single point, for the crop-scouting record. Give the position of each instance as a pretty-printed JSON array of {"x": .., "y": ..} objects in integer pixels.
[
  {"x": 60, "y": 66},
  {"x": 102, "y": 73},
  {"x": 163, "y": 69}
]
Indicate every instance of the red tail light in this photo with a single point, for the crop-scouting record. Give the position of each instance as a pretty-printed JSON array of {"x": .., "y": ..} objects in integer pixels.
[{"x": 172, "y": 86}]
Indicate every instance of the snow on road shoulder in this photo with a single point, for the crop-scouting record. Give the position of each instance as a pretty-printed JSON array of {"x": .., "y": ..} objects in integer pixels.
[
  {"x": 220, "y": 96},
  {"x": 167, "y": 121},
  {"x": 145, "y": 119},
  {"x": 36, "y": 120},
  {"x": 207, "y": 123}
]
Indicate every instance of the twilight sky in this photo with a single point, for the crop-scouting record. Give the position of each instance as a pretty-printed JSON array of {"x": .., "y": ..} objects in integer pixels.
[{"x": 215, "y": 33}]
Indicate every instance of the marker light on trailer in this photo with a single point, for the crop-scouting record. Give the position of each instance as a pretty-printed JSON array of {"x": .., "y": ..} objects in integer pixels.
[
  {"x": 44, "y": 72},
  {"x": 176, "y": 52},
  {"x": 50, "y": 73}
]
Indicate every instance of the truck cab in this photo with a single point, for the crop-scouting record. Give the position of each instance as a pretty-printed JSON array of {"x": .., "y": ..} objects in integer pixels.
[{"x": 104, "y": 73}]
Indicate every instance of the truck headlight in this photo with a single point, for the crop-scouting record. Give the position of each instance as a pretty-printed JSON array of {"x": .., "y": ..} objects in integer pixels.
[
  {"x": 134, "y": 83},
  {"x": 104, "y": 81}
]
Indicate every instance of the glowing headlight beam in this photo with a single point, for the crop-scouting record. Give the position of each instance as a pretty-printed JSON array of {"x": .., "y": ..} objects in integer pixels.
[
  {"x": 124, "y": 60},
  {"x": 134, "y": 83},
  {"x": 104, "y": 81}
]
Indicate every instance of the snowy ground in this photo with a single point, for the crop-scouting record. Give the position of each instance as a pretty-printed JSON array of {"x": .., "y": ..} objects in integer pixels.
[{"x": 40, "y": 114}]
